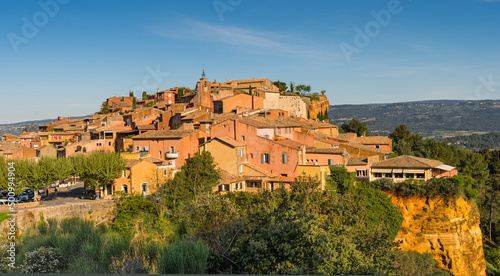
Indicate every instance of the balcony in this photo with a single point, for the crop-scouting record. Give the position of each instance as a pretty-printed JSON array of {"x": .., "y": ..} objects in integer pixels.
[{"x": 171, "y": 155}]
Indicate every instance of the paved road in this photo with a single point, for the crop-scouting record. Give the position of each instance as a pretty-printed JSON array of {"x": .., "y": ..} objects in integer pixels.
[{"x": 64, "y": 196}]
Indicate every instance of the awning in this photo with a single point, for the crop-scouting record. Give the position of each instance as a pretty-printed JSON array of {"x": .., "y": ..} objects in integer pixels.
[
  {"x": 378, "y": 170},
  {"x": 445, "y": 167},
  {"x": 397, "y": 170},
  {"x": 414, "y": 171}
]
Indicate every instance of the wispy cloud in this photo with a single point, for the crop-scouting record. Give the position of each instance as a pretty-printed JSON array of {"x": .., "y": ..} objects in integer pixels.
[{"x": 249, "y": 39}]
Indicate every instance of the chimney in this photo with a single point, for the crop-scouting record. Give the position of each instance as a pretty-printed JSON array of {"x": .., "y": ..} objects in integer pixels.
[{"x": 158, "y": 90}]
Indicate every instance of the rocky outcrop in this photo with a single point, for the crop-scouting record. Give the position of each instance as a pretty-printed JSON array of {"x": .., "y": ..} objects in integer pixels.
[
  {"x": 318, "y": 103},
  {"x": 447, "y": 229}
]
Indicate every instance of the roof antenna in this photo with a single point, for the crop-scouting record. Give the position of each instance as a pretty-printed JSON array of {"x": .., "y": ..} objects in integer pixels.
[{"x": 203, "y": 75}]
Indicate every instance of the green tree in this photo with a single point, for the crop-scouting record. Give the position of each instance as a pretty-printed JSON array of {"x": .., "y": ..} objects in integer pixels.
[
  {"x": 134, "y": 103},
  {"x": 104, "y": 108},
  {"x": 400, "y": 133},
  {"x": 199, "y": 174},
  {"x": 130, "y": 93},
  {"x": 355, "y": 126},
  {"x": 323, "y": 92},
  {"x": 102, "y": 168},
  {"x": 144, "y": 95},
  {"x": 4, "y": 181},
  {"x": 341, "y": 180},
  {"x": 281, "y": 85},
  {"x": 181, "y": 91},
  {"x": 292, "y": 87}
]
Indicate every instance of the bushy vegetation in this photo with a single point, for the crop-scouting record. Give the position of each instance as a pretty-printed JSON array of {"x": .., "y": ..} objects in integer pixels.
[
  {"x": 184, "y": 257},
  {"x": 355, "y": 126},
  {"x": 414, "y": 263},
  {"x": 447, "y": 188},
  {"x": 44, "y": 260}
]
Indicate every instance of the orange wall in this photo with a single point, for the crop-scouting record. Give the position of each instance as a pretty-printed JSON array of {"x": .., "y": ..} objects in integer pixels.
[
  {"x": 257, "y": 145},
  {"x": 186, "y": 147},
  {"x": 323, "y": 159}
]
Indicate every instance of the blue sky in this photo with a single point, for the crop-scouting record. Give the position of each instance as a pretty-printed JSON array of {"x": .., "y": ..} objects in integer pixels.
[{"x": 77, "y": 53}]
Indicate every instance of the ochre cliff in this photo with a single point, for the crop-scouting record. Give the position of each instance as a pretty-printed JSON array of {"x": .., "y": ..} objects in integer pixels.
[
  {"x": 318, "y": 106},
  {"x": 448, "y": 230}
]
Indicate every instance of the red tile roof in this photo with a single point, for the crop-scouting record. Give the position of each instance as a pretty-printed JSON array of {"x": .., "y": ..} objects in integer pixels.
[
  {"x": 407, "y": 161},
  {"x": 166, "y": 134}
]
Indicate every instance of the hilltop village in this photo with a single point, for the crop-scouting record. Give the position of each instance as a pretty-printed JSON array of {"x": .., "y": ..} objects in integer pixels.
[{"x": 260, "y": 138}]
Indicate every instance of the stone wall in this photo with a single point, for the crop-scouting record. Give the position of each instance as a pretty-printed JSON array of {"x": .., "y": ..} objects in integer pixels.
[
  {"x": 448, "y": 230},
  {"x": 95, "y": 210},
  {"x": 295, "y": 106}
]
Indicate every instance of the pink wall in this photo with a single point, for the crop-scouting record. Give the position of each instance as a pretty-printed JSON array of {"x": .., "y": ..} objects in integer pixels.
[{"x": 256, "y": 146}]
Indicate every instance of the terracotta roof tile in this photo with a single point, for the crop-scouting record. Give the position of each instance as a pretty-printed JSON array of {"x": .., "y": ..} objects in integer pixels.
[
  {"x": 166, "y": 134},
  {"x": 407, "y": 161},
  {"x": 330, "y": 150},
  {"x": 357, "y": 161},
  {"x": 229, "y": 177},
  {"x": 230, "y": 141}
]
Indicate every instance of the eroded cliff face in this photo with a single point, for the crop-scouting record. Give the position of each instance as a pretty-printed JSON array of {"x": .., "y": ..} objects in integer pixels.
[
  {"x": 448, "y": 230},
  {"x": 318, "y": 106}
]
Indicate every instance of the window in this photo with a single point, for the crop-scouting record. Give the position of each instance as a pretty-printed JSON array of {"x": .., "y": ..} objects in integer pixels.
[
  {"x": 251, "y": 155},
  {"x": 410, "y": 175},
  {"x": 223, "y": 187},
  {"x": 144, "y": 188},
  {"x": 238, "y": 186},
  {"x": 420, "y": 175},
  {"x": 284, "y": 174},
  {"x": 377, "y": 174},
  {"x": 284, "y": 158},
  {"x": 265, "y": 158},
  {"x": 170, "y": 95},
  {"x": 165, "y": 172},
  {"x": 124, "y": 174},
  {"x": 360, "y": 173},
  {"x": 169, "y": 101},
  {"x": 388, "y": 175},
  {"x": 242, "y": 138},
  {"x": 109, "y": 143},
  {"x": 377, "y": 146},
  {"x": 241, "y": 152},
  {"x": 254, "y": 184},
  {"x": 160, "y": 155},
  {"x": 398, "y": 175},
  {"x": 330, "y": 162},
  {"x": 241, "y": 168},
  {"x": 125, "y": 188},
  {"x": 145, "y": 148}
]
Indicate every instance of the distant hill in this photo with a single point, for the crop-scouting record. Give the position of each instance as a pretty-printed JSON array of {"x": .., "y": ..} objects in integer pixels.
[
  {"x": 17, "y": 128},
  {"x": 476, "y": 142},
  {"x": 440, "y": 118}
]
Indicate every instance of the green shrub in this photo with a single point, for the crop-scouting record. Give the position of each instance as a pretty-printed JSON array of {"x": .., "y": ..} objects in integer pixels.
[
  {"x": 183, "y": 257},
  {"x": 413, "y": 263},
  {"x": 44, "y": 260}
]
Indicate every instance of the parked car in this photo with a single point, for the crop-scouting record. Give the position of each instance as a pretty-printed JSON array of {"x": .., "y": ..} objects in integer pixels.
[
  {"x": 23, "y": 197},
  {"x": 89, "y": 194},
  {"x": 41, "y": 191},
  {"x": 30, "y": 193}
]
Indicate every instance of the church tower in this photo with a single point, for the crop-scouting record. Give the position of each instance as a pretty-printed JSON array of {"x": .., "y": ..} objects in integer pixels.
[{"x": 203, "y": 91}]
